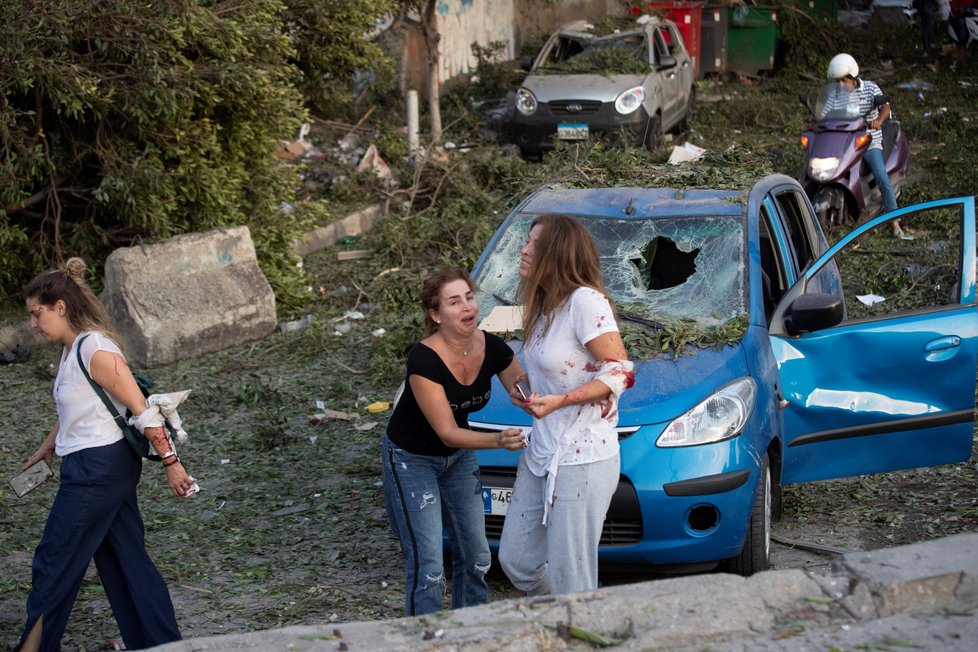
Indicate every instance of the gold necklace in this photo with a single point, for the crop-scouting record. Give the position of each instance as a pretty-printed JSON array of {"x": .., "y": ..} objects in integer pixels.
[{"x": 444, "y": 339}]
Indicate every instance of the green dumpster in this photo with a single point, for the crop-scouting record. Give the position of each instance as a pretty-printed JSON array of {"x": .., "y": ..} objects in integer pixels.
[{"x": 752, "y": 34}]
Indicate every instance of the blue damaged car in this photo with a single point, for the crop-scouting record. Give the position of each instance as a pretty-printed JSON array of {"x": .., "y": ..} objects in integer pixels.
[{"x": 764, "y": 357}]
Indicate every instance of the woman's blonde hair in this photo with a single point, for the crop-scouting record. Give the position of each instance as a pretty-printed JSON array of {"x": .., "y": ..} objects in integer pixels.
[
  {"x": 83, "y": 310},
  {"x": 564, "y": 259}
]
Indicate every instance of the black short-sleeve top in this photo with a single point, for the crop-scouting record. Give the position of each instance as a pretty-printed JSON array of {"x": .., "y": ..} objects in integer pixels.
[{"x": 408, "y": 427}]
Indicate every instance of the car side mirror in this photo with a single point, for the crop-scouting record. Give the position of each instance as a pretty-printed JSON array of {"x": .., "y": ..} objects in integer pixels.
[
  {"x": 813, "y": 312},
  {"x": 667, "y": 61},
  {"x": 526, "y": 62}
]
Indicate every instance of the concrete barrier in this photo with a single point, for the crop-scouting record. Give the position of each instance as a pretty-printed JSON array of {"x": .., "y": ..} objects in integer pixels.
[
  {"x": 920, "y": 596},
  {"x": 353, "y": 224},
  {"x": 17, "y": 341},
  {"x": 189, "y": 295}
]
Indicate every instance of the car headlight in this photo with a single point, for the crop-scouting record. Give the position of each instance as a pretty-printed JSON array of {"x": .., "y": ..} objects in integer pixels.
[
  {"x": 526, "y": 102},
  {"x": 823, "y": 169},
  {"x": 721, "y": 416},
  {"x": 630, "y": 100}
]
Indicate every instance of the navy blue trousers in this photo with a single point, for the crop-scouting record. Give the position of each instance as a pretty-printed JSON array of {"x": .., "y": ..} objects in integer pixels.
[{"x": 95, "y": 515}]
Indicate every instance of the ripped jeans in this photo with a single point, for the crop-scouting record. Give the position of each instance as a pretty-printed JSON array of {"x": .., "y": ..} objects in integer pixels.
[{"x": 426, "y": 494}]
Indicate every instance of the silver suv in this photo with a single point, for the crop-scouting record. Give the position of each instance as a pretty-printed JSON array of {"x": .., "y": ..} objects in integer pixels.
[{"x": 634, "y": 82}]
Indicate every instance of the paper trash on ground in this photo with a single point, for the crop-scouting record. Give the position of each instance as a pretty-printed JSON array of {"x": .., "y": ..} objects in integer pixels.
[
  {"x": 870, "y": 299},
  {"x": 687, "y": 152}
]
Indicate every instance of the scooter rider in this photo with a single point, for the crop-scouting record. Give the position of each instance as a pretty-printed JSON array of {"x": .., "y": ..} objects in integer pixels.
[{"x": 844, "y": 69}]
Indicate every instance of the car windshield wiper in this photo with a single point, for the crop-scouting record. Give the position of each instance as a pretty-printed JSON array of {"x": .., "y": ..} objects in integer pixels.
[{"x": 651, "y": 323}]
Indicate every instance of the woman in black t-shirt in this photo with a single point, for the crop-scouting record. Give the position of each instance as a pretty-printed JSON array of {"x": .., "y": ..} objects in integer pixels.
[{"x": 431, "y": 477}]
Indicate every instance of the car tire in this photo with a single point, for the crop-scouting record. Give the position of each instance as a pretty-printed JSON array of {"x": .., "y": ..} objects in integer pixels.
[
  {"x": 755, "y": 556},
  {"x": 653, "y": 133},
  {"x": 777, "y": 502}
]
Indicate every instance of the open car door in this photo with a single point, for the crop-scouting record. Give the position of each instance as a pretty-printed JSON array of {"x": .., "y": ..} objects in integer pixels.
[{"x": 885, "y": 381}]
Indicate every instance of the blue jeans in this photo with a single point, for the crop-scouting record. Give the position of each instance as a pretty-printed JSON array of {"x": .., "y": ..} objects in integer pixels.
[
  {"x": 426, "y": 495},
  {"x": 874, "y": 159}
]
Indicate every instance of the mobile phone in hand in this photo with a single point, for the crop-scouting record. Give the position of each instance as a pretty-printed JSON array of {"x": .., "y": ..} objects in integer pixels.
[
  {"x": 523, "y": 387},
  {"x": 31, "y": 478}
]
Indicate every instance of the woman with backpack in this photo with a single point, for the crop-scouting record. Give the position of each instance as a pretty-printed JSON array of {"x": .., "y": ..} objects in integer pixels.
[{"x": 94, "y": 514}]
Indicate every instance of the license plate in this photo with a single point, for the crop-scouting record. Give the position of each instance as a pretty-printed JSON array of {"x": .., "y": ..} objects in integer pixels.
[
  {"x": 495, "y": 500},
  {"x": 572, "y": 131}
]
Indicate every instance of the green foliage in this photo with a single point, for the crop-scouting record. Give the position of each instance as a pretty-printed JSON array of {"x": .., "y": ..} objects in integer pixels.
[
  {"x": 677, "y": 338},
  {"x": 614, "y": 60},
  {"x": 389, "y": 353},
  {"x": 533, "y": 43},
  {"x": 125, "y": 122},
  {"x": 496, "y": 77},
  {"x": 335, "y": 50}
]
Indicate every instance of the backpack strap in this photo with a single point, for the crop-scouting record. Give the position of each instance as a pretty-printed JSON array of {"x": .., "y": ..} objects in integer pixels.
[{"x": 135, "y": 438}]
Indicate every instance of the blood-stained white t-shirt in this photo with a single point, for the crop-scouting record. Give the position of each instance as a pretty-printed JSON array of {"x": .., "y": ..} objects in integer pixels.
[
  {"x": 84, "y": 420},
  {"x": 558, "y": 361}
]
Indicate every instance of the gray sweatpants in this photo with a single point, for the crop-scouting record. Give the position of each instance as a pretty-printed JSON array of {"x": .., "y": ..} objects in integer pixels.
[{"x": 562, "y": 556}]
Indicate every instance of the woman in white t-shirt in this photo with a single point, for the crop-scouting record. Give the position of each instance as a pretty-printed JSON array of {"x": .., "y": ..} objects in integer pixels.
[
  {"x": 577, "y": 368},
  {"x": 94, "y": 514}
]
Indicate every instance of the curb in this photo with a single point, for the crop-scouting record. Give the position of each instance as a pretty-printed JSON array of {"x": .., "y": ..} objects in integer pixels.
[
  {"x": 928, "y": 589},
  {"x": 353, "y": 224}
]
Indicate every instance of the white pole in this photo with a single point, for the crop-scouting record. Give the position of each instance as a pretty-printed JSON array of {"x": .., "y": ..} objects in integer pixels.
[{"x": 412, "y": 125}]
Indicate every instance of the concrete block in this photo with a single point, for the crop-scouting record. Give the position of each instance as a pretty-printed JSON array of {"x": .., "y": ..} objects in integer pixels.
[
  {"x": 353, "y": 224},
  {"x": 189, "y": 295},
  {"x": 919, "y": 576},
  {"x": 17, "y": 341}
]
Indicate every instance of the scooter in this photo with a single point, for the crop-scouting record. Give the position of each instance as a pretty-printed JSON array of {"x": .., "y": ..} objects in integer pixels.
[{"x": 837, "y": 180}]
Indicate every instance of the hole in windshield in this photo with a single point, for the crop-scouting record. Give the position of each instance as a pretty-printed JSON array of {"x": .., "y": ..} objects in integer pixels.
[{"x": 664, "y": 264}]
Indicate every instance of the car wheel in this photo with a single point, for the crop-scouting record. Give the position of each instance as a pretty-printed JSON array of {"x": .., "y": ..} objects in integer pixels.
[
  {"x": 653, "y": 133},
  {"x": 777, "y": 503},
  {"x": 755, "y": 556}
]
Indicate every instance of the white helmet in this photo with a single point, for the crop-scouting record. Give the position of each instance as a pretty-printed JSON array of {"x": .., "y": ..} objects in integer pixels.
[{"x": 842, "y": 65}]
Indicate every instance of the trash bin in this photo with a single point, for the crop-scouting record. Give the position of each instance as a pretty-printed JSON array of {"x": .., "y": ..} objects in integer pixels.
[
  {"x": 752, "y": 33},
  {"x": 687, "y": 16},
  {"x": 713, "y": 40}
]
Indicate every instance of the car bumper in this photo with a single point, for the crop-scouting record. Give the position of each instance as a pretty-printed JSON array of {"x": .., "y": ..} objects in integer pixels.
[
  {"x": 537, "y": 133},
  {"x": 692, "y": 509}
]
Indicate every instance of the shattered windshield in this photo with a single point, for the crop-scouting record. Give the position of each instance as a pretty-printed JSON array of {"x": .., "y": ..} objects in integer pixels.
[
  {"x": 836, "y": 102},
  {"x": 619, "y": 54},
  {"x": 662, "y": 269}
]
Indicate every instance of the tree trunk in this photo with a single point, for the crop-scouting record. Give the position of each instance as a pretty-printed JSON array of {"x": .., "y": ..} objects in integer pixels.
[{"x": 431, "y": 40}]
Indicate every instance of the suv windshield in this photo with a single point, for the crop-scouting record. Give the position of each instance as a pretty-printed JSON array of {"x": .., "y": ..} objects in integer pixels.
[{"x": 662, "y": 269}]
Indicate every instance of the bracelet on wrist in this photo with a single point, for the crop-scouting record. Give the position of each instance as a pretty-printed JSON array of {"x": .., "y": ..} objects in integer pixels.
[{"x": 175, "y": 460}]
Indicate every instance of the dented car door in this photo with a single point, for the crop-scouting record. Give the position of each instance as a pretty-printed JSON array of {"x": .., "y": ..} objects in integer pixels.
[{"x": 892, "y": 385}]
